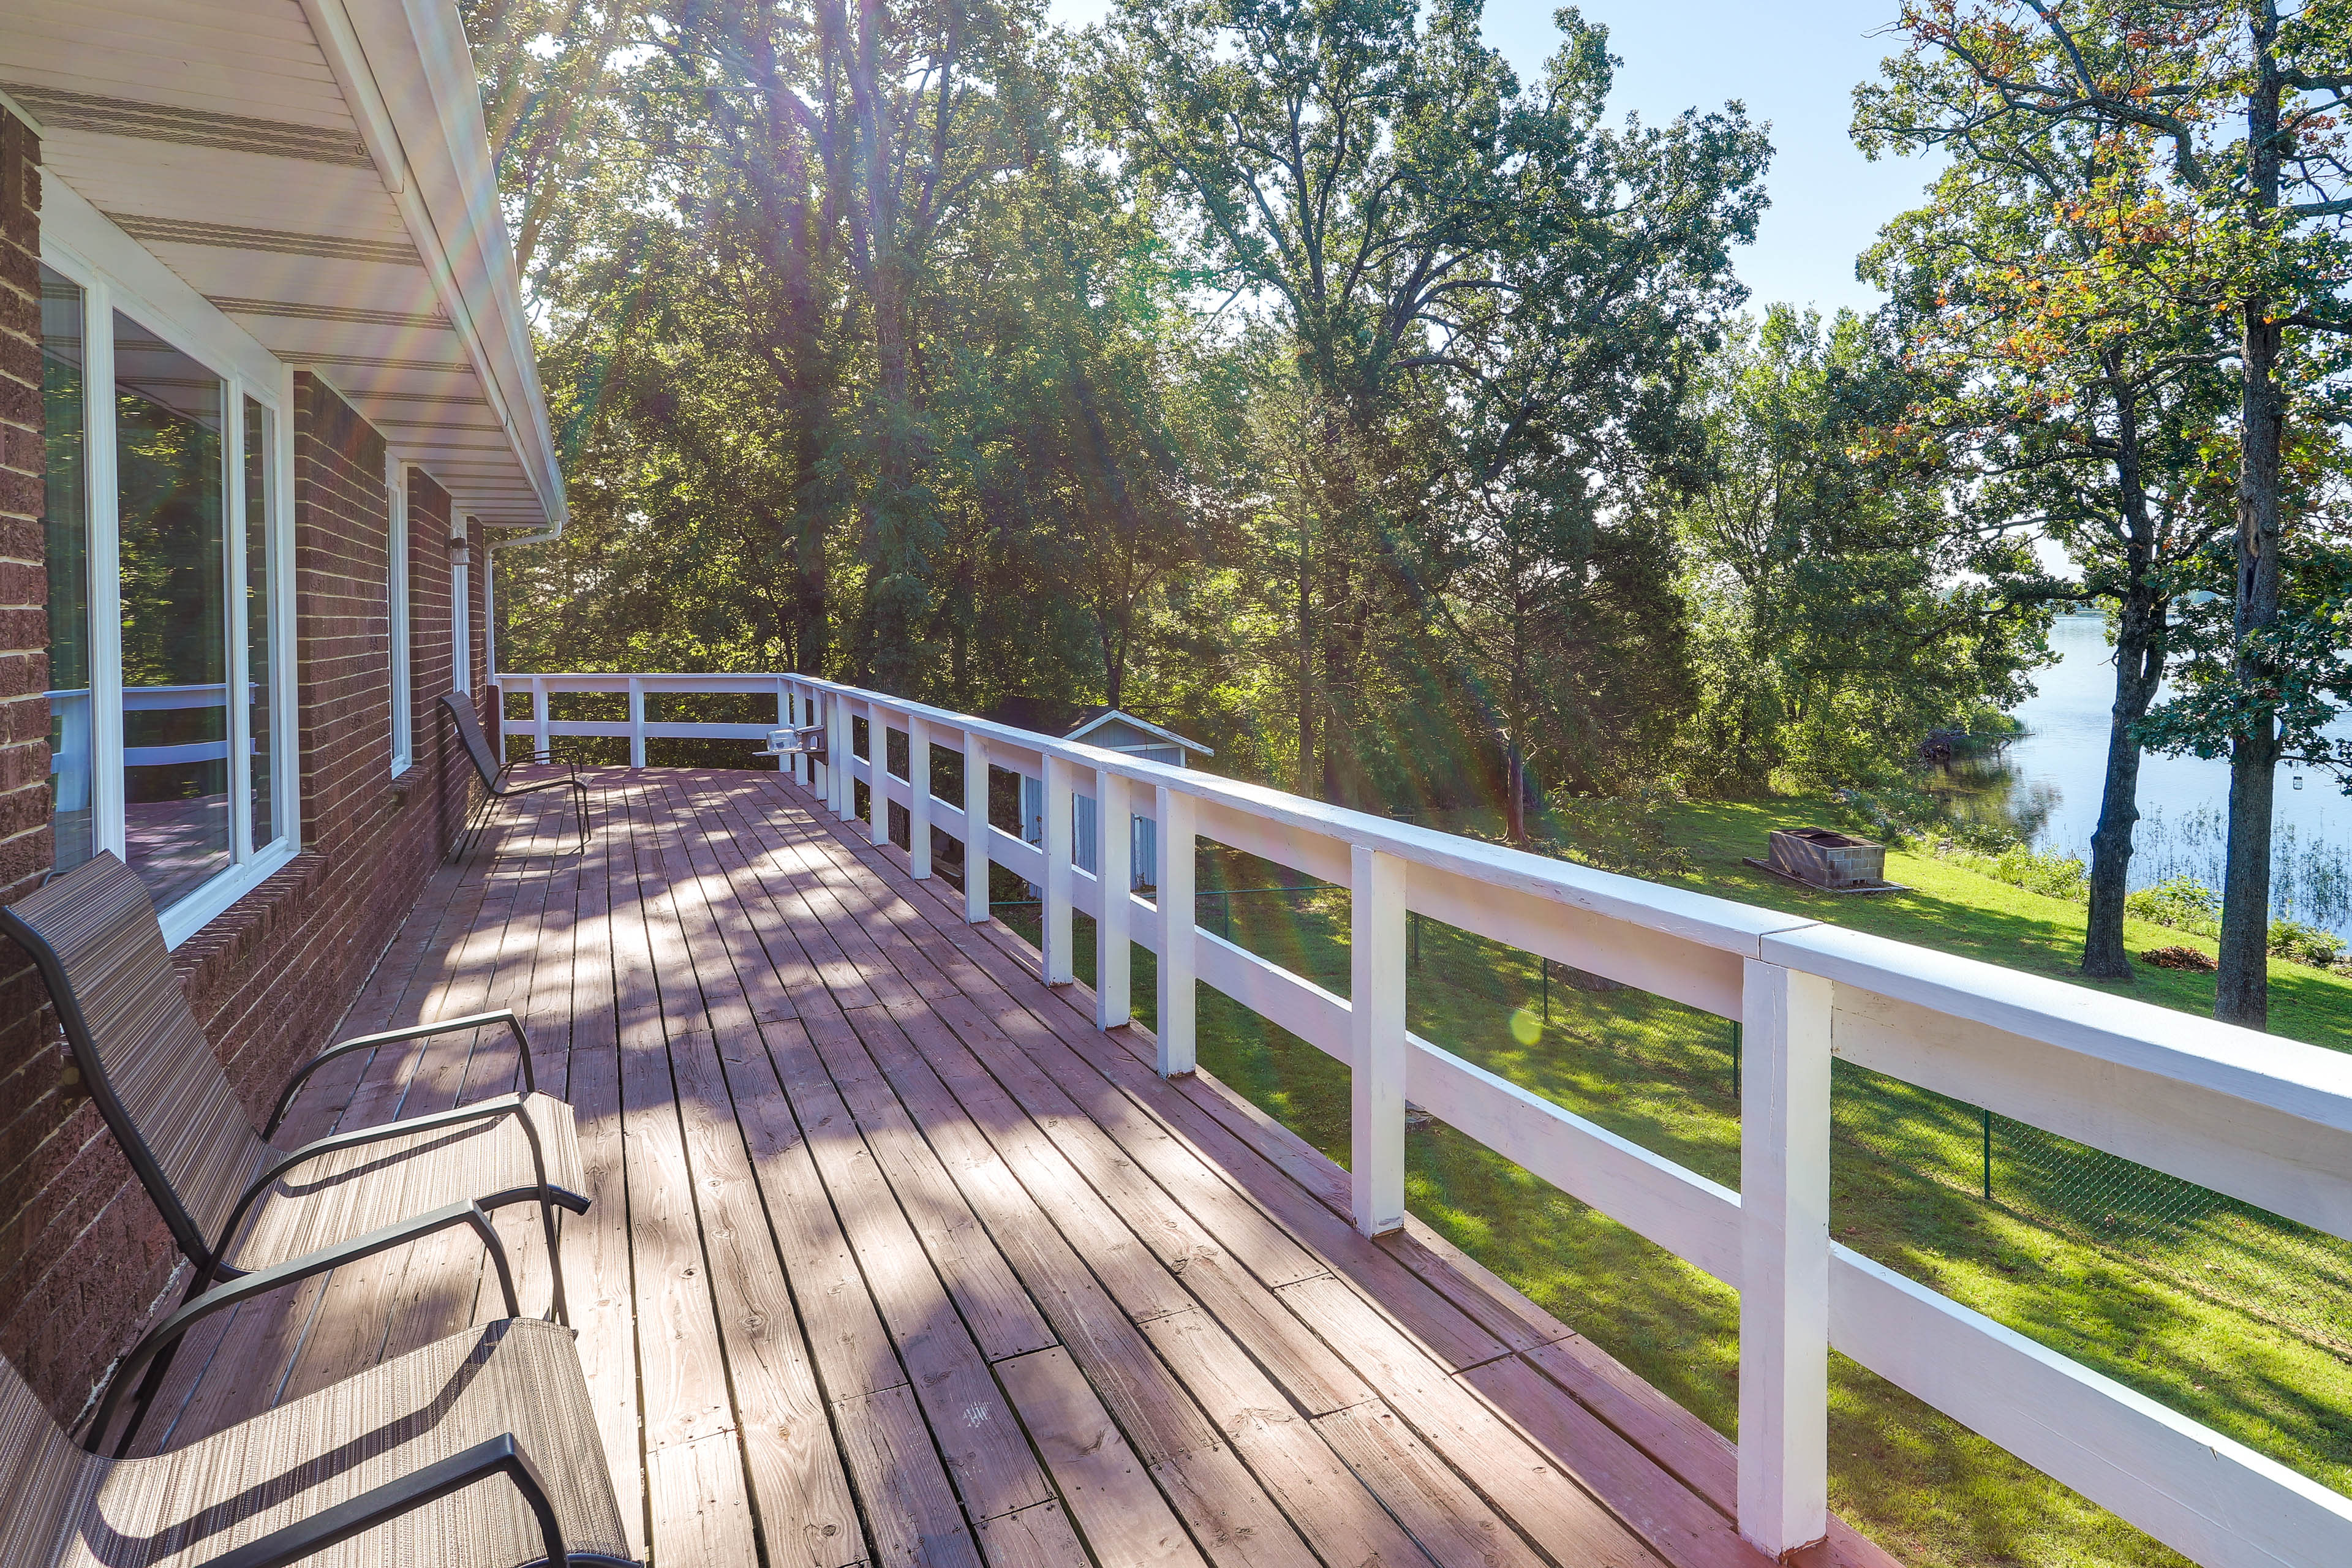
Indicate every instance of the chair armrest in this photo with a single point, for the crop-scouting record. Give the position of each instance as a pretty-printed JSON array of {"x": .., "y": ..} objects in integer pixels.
[
  {"x": 388, "y": 1036},
  {"x": 261, "y": 1282},
  {"x": 329, "y": 1526}
]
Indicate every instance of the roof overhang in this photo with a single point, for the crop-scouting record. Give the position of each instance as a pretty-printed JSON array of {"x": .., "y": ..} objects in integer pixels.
[{"x": 320, "y": 173}]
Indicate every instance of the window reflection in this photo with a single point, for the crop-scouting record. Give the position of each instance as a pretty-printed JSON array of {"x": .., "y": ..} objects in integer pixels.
[
  {"x": 259, "y": 671},
  {"x": 174, "y": 583},
  {"x": 65, "y": 519}
]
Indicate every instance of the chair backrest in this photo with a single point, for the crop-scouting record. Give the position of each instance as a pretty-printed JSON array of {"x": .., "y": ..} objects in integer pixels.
[
  {"x": 143, "y": 1055},
  {"x": 470, "y": 734},
  {"x": 47, "y": 1480}
]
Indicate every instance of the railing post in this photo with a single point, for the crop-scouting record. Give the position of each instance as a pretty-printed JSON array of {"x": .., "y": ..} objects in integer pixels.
[
  {"x": 1177, "y": 963},
  {"x": 919, "y": 796},
  {"x": 1784, "y": 1279},
  {"x": 877, "y": 768},
  {"x": 840, "y": 767},
  {"x": 784, "y": 715},
  {"x": 976, "y": 827},
  {"x": 636, "y": 723},
  {"x": 538, "y": 720},
  {"x": 1376, "y": 971},
  {"x": 1114, "y": 857},
  {"x": 1054, "y": 930}
]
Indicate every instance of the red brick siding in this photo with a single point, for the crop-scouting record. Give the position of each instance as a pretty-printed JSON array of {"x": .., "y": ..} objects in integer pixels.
[{"x": 64, "y": 1185}]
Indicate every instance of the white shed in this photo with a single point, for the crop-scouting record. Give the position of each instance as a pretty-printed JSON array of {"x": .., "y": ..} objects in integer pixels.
[{"x": 1113, "y": 729}]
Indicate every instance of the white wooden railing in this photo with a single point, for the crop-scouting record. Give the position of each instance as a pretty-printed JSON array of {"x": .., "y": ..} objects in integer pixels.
[
  {"x": 2266, "y": 1120},
  {"x": 542, "y": 727}
]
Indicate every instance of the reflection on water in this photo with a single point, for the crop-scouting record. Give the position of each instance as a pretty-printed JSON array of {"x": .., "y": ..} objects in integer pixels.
[{"x": 2046, "y": 786}]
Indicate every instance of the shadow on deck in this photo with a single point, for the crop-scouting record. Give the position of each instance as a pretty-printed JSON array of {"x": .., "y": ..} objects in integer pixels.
[{"x": 894, "y": 1258}]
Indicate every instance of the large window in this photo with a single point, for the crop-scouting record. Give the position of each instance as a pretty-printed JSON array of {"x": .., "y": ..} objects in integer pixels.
[{"x": 164, "y": 525}]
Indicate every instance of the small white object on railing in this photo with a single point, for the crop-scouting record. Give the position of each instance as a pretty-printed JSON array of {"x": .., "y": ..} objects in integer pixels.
[
  {"x": 1376, "y": 976},
  {"x": 1113, "y": 847},
  {"x": 918, "y": 805},
  {"x": 1178, "y": 946},
  {"x": 1784, "y": 1271},
  {"x": 1056, "y": 927}
]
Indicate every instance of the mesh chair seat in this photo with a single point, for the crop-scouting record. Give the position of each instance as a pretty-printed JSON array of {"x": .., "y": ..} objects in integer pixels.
[
  {"x": 347, "y": 1193},
  {"x": 69, "y": 1508},
  {"x": 94, "y": 934}
]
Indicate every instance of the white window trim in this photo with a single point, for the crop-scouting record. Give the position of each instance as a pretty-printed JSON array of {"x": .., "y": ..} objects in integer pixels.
[
  {"x": 404, "y": 717},
  {"x": 116, "y": 273},
  {"x": 461, "y": 609}
]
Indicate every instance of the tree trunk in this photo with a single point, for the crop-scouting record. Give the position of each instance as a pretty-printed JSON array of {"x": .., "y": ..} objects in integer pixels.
[
  {"x": 1515, "y": 774},
  {"x": 2139, "y": 669},
  {"x": 2242, "y": 992},
  {"x": 1306, "y": 779}
]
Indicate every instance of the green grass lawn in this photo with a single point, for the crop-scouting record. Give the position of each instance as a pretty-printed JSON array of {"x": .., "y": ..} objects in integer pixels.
[{"x": 2226, "y": 1317}]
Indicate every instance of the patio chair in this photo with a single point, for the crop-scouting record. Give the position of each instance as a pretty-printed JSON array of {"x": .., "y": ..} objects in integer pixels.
[
  {"x": 479, "y": 1451},
  {"x": 497, "y": 779},
  {"x": 236, "y": 1203}
]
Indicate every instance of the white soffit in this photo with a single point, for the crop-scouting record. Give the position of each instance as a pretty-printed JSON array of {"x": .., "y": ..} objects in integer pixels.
[{"x": 322, "y": 174}]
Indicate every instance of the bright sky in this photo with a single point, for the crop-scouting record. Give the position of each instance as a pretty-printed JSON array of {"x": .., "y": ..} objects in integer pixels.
[{"x": 1794, "y": 63}]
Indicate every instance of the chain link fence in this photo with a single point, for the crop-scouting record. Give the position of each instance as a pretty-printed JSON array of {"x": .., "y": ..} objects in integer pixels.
[{"x": 2288, "y": 1275}]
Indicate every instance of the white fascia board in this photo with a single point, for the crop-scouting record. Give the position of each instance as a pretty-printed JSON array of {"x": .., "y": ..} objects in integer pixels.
[{"x": 409, "y": 75}]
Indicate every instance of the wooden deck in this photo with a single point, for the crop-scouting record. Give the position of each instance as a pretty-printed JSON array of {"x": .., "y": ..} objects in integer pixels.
[{"x": 896, "y": 1258}]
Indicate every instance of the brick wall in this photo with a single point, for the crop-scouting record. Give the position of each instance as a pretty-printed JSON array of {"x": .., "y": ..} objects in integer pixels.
[
  {"x": 65, "y": 1188},
  {"x": 82, "y": 1253}
]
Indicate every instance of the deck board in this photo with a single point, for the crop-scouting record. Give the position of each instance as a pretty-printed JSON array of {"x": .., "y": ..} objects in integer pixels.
[{"x": 894, "y": 1258}]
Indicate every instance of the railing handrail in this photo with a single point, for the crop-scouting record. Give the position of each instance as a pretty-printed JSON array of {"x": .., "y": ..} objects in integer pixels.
[{"x": 2260, "y": 1118}]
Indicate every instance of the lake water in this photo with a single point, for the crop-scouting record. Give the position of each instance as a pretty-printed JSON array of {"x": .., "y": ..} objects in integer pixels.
[{"x": 2048, "y": 787}]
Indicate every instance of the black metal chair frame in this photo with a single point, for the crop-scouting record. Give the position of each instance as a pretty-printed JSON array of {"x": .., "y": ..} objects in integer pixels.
[
  {"x": 207, "y": 1254},
  {"x": 497, "y": 783}
]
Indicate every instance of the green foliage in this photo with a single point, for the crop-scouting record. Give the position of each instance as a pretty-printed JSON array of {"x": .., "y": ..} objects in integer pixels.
[
  {"x": 1838, "y": 614},
  {"x": 2305, "y": 680},
  {"x": 2182, "y": 902},
  {"x": 2021, "y": 866},
  {"x": 2300, "y": 944},
  {"x": 1631, "y": 834}
]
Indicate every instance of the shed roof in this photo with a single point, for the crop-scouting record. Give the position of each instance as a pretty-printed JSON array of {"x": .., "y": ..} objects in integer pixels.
[{"x": 1075, "y": 721}]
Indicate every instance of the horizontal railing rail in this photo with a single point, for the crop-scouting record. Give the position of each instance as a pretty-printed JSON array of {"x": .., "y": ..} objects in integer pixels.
[
  {"x": 2261, "y": 1118},
  {"x": 635, "y": 728}
]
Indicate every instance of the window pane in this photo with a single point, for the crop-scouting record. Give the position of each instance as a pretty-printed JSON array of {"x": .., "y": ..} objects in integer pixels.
[
  {"x": 174, "y": 547},
  {"x": 259, "y": 672},
  {"x": 65, "y": 518}
]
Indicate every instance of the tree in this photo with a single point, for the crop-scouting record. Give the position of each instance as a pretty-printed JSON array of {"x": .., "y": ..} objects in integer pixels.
[
  {"x": 2241, "y": 101},
  {"x": 2078, "y": 397},
  {"x": 1841, "y": 607},
  {"x": 1426, "y": 234}
]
